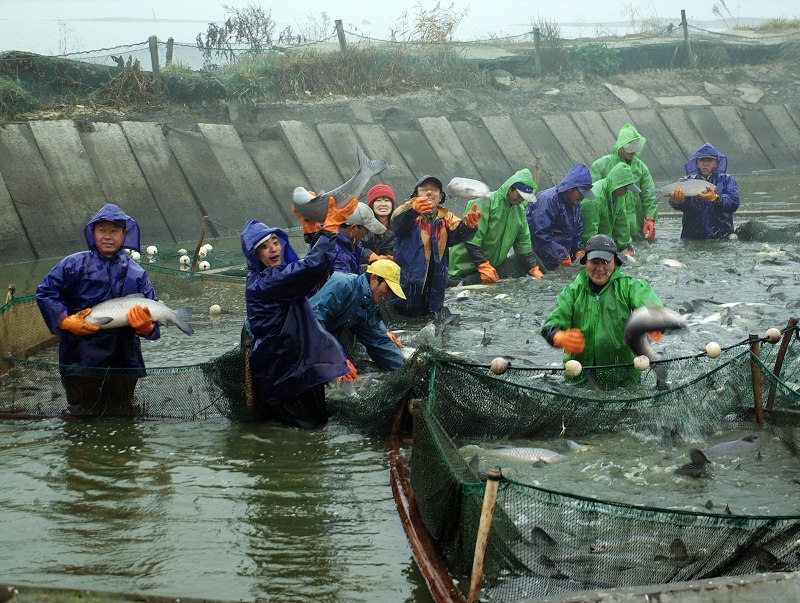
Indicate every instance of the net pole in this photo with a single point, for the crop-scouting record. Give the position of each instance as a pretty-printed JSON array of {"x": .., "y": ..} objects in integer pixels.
[
  {"x": 536, "y": 171},
  {"x": 755, "y": 350},
  {"x": 787, "y": 337},
  {"x": 485, "y": 525}
]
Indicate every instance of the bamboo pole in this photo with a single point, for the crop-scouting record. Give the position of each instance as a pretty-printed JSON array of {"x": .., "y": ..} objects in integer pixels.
[
  {"x": 787, "y": 337},
  {"x": 482, "y": 540},
  {"x": 536, "y": 170},
  {"x": 755, "y": 349},
  {"x": 200, "y": 237}
]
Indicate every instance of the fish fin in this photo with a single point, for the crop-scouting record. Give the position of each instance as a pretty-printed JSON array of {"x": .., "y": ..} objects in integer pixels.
[
  {"x": 698, "y": 458},
  {"x": 101, "y": 320},
  {"x": 678, "y": 550},
  {"x": 474, "y": 463},
  {"x": 375, "y": 166},
  {"x": 182, "y": 320},
  {"x": 540, "y": 537}
]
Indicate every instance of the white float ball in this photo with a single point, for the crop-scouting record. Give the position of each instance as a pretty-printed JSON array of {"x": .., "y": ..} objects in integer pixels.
[
  {"x": 215, "y": 310},
  {"x": 182, "y": 251},
  {"x": 773, "y": 335},
  {"x": 185, "y": 260},
  {"x": 713, "y": 350},
  {"x": 499, "y": 365},
  {"x": 797, "y": 236},
  {"x": 641, "y": 363},
  {"x": 733, "y": 237},
  {"x": 202, "y": 253},
  {"x": 204, "y": 265},
  {"x": 572, "y": 368},
  {"x": 208, "y": 248},
  {"x": 152, "y": 250},
  {"x": 136, "y": 256}
]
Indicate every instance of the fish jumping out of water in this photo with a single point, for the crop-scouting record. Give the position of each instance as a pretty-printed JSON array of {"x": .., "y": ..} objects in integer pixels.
[
  {"x": 113, "y": 313},
  {"x": 698, "y": 467},
  {"x": 466, "y": 188},
  {"x": 315, "y": 208},
  {"x": 748, "y": 443},
  {"x": 691, "y": 187},
  {"x": 646, "y": 320}
]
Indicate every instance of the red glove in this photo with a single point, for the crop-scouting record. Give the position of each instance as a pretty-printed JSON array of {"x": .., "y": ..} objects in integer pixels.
[
  {"x": 473, "y": 217},
  {"x": 488, "y": 273},
  {"x": 140, "y": 320},
  {"x": 709, "y": 195},
  {"x": 649, "y": 229},
  {"x": 566, "y": 262},
  {"x": 536, "y": 272},
  {"x": 422, "y": 205},
  {"x": 677, "y": 196},
  {"x": 655, "y": 335},
  {"x": 571, "y": 341},
  {"x": 77, "y": 325},
  {"x": 352, "y": 376},
  {"x": 309, "y": 226},
  {"x": 394, "y": 339}
]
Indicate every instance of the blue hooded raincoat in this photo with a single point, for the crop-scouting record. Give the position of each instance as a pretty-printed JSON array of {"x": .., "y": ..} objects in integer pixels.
[
  {"x": 345, "y": 302},
  {"x": 704, "y": 219},
  {"x": 556, "y": 224},
  {"x": 291, "y": 351},
  {"x": 83, "y": 280}
]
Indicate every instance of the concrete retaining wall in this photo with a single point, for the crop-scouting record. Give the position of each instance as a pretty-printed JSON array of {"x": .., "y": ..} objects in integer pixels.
[{"x": 55, "y": 175}]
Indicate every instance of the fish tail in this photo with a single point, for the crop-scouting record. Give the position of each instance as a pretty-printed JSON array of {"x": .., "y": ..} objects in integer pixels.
[
  {"x": 374, "y": 166},
  {"x": 182, "y": 316}
]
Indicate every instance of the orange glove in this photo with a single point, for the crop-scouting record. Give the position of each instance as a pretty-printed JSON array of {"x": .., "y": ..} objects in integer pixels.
[
  {"x": 566, "y": 262},
  {"x": 473, "y": 217},
  {"x": 535, "y": 272},
  {"x": 709, "y": 195},
  {"x": 422, "y": 205},
  {"x": 309, "y": 226},
  {"x": 337, "y": 216},
  {"x": 488, "y": 273},
  {"x": 571, "y": 341},
  {"x": 655, "y": 335},
  {"x": 649, "y": 229},
  {"x": 579, "y": 254},
  {"x": 677, "y": 196},
  {"x": 77, "y": 325},
  {"x": 140, "y": 320},
  {"x": 352, "y": 376},
  {"x": 394, "y": 339},
  {"x": 374, "y": 257},
  {"x": 628, "y": 251}
]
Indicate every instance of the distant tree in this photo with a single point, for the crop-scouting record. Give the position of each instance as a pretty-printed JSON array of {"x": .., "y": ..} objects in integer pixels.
[{"x": 251, "y": 27}]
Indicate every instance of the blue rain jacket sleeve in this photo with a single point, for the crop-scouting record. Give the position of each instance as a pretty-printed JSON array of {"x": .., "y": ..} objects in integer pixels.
[
  {"x": 83, "y": 280},
  {"x": 348, "y": 255},
  {"x": 291, "y": 351},
  {"x": 345, "y": 302}
]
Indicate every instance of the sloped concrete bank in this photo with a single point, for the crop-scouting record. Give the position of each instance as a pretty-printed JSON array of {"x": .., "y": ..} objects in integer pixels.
[{"x": 55, "y": 174}]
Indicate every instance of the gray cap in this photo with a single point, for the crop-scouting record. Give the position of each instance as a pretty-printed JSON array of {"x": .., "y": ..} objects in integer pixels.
[
  {"x": 601, "y": 247},
  {"x": 364, "y": 216}
]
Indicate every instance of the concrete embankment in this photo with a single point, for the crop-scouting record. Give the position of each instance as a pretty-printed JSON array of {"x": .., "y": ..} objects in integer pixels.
[{"x": 54, "y": 175}]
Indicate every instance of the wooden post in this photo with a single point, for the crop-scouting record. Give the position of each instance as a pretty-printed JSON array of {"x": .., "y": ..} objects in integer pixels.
[
  {"x": 755, "y": 349},
  {"x": 787, "y": 337},
  {"x": 200, "y": 238},
  {"x": 685, "y": 26},
  {"x": 536, "y": 171},
  {"x": 537, "y": 50},
  {"x": 340, "y": 33},
  {"x": 154, "y": 60},
  {"x": 170, "y": 48},
  {"x": 487, "y": 512}
]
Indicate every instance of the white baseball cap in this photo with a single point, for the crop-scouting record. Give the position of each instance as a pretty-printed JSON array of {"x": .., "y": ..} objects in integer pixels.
[{"x": 363, "y": 216}]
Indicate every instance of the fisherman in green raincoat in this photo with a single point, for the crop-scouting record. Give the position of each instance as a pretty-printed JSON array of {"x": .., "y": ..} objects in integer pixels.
[
  {"x": 607, "y": 213},
  {"x": 643, "y": 211},
  {"x": 503, "y": 227},
  {"x": 589, "y": 318}
]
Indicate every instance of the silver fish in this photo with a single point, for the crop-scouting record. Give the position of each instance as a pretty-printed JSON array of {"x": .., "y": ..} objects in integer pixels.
[
  {"x": 113, "y": 313},
  {"x": 537, "y": 456},
  {"x": 671, "y": 263},
  {"x": 316, "y": 207},
  {"x": 748, "y": 443},
  {"x": 466, "y": 188},
  {"x": 691, "y": 187},
  {"x": 645, "y": 320}
]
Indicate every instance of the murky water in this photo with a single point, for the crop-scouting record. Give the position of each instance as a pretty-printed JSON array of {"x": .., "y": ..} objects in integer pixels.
[{"x": 262, "y": 512}]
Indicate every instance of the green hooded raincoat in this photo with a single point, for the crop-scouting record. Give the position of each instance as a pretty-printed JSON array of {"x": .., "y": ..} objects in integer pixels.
[{"x": 607, "y": 214}]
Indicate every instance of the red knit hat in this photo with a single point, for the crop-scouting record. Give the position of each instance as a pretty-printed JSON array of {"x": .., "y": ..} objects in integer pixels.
[{"x": 380, "y": 190}]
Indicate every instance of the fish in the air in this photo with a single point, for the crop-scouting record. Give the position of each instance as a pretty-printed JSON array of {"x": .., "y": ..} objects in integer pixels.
[
  {"x": 748, "y": 443},
  {"x": 646, "y": 320},
  {"x": 466, "y": 188},
  {"x": 691, "y": 187},
  {"x": 315, "y": 208},
  {"x": 113, "y": 313}
]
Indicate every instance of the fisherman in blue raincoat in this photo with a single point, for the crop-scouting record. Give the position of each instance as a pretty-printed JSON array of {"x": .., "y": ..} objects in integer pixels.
[
  {"x": 555, "y": 219},
  {"x": 292, "y": 356},
  {"x": 424, "y": 233},
  {"x": 65, "y": 297},
  {"x": 709, "y": 215},
  {"x": 349, "y": 301},
  {"x": 349, "y": 247}
]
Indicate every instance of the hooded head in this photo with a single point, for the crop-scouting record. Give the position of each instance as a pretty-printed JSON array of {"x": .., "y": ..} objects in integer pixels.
[
  {"x": 706, "y": 150},
  {"x": 578, "y": 177},
  {"x": 522, "y": 182},
  {"x": 621, "y": 176},
  {"x": 112, "y": 213},
  {"x": 253, "y": 234},
  {"x": 629, "y": 141}
]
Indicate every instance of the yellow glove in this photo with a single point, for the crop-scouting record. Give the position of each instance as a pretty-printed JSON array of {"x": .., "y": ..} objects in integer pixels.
[
  {"x": 394, "y": 339},
  {"x": 140, "y": 320},
  {"x": 488, "y": 273},
  {"x": 677, "y": 196},
  {"x": 422, "y": 205},
  {"x": 337, "y": 216},
  {"x": 309, "y": 226},
  {"x": 536, "y": 272},
  {"x": 709, "y": 195},
  {"x": 77, "y": 325},
  {"x": 571, "y": 341},
  {"x": 352, "y": 376},
  {"x": 473, "y": 217},
  {"x": 374, "y": 257}
]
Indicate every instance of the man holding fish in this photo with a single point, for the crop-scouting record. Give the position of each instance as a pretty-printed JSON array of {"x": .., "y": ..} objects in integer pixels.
[
  {"x": 65, "y": 298},
  {"x": 503, "y": 228},
  {"x": 708, "y": 197}
]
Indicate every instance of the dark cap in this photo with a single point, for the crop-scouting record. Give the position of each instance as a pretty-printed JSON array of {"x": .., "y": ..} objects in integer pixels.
[
  {"x": 602, "y": 247},
  {"x": 429, "y": 178}
]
